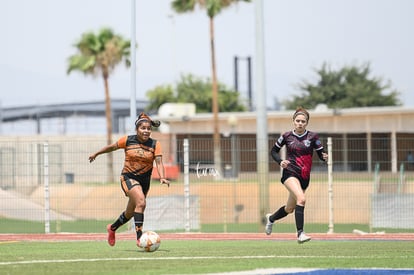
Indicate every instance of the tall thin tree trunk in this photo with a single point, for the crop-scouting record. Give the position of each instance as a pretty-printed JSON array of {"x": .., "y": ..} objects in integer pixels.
[
  {"x": 108, "y": 113},
  {"x": 215, "y": 105}
]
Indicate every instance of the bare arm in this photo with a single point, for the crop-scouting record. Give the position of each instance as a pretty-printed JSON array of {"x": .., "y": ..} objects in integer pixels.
[
  {"x": 161, "y": 170},
  {"x": 105, "y": 149}
]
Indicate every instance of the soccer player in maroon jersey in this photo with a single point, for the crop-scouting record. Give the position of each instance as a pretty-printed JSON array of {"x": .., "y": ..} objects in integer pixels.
[{"x": 300, "y": 144}]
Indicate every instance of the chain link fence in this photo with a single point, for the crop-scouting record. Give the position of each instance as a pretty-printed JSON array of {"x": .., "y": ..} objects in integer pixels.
[{"x": 48, "y": 185}]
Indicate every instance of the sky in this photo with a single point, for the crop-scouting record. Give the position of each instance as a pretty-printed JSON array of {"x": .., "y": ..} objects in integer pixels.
[{"x": 299, "y": 36}]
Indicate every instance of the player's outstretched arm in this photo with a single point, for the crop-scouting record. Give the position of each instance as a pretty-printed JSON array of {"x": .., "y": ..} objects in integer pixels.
[{"x": 105, "y": 149}]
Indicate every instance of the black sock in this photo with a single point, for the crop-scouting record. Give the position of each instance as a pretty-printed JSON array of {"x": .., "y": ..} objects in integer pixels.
[
  {"x": 120, "y": 221},
  {"x": 139, "y": 221},
  {"x": 281, "y": 213},
  {"x": 299, "y": 218}
]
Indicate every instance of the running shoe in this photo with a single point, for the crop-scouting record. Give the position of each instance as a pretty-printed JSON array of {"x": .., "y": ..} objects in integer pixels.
[
  {"x": 303, "y": 238},
  {"x": 111, "y": 235},
  {"x": 269, "y": 225}
]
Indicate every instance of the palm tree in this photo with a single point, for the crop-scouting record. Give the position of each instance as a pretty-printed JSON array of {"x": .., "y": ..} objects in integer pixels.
[
  {"x": 98, "y": 54},
  {"x": 213, "y": 8}
]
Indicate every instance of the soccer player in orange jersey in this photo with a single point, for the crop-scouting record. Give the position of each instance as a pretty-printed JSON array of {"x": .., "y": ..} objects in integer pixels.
[{"x": 140, "y": 152}]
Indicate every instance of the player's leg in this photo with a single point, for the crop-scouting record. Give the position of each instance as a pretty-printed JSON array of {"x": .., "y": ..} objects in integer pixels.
[
  {"x": 137, "y": 208},
  {"x": 297, "y": 203},
  {"x": 271, "y": 218},
  {"x": 111, "y": 228},
  {"x": 282, "y": 212},
  {"x": 126, "y": 184}
]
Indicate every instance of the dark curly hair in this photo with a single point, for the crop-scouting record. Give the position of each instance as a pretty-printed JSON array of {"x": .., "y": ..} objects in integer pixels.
[{"x": 145, "y": 118}]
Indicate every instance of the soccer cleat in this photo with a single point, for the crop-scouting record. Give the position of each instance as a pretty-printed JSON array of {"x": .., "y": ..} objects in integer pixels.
[
  {"x": 111, "y": 235},
  {"x": 303, "y": 238},
  {"x": 138, "y": 243},
  {"x": 269, "y": 225}
]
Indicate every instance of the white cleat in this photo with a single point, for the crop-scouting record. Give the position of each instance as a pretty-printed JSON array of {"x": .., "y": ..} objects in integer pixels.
[
  {"x": 269, "y": 225},
  {"x": 303, "y": 238}
]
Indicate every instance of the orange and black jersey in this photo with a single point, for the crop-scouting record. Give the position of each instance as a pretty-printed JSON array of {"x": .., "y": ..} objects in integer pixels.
[{"x": 139, "y": 157}]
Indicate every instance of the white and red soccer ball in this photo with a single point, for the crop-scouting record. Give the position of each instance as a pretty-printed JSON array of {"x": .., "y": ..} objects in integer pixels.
[{"x": 149, "y": 241}]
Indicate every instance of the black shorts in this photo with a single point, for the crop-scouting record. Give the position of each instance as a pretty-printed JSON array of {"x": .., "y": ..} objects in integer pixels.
[
  {"x": 127, "y": 183},
  {"x": 287, "y": 174}
]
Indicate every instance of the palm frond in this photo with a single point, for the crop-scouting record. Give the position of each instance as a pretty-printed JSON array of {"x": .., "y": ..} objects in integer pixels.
[
  {"x": 183, "y": 6},
  {"x": 84, "y": 64},
  {"x": 99, "y": 52}
]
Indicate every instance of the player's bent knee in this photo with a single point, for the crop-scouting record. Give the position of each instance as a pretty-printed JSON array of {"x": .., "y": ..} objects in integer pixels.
[
  {"x": 301, "y": 201},
  {"x": 289, "y": 210}
]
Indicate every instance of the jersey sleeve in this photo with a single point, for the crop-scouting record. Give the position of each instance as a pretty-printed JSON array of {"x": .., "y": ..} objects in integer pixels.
[
  {"x": 122, "y": 142},
  {"x": 276, "y": 148},
  {"x": 158, "y": 149},
  {"x": 275, "y": 154},
  {"x": 281, "y": 141},
  {"x": 318, "y": 143},
  {"x": 319, "y": 147}
]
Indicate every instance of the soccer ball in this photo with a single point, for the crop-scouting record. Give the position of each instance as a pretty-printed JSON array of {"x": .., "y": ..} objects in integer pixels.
[{"x": 149, "y": 241}]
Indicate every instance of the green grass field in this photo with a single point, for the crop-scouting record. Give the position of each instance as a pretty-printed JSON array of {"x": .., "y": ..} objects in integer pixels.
[{"x": 199, "y": 257}]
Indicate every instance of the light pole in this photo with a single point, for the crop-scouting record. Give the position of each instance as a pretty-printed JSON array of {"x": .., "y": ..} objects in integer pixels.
[
  {"x": 133, "y": 96},
  {"x": 261, "y": 125},
  {"x": 249, "y": 78},
  {"x": 173, "y": 47},
  {"x": 232, "y": 121}
]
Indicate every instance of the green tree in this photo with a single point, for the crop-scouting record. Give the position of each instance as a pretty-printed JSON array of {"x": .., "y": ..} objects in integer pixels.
[
  {"x": 160, "y": 95},
  {"x": 347, "y": 87},
  {"x": 99, "y": 54},
  {"x": 195, "y": 90},
  {"x": 213, "y": 8}
]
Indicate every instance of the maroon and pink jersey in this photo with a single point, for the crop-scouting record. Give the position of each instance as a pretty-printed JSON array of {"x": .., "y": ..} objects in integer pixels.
[{"x": 299, "y": 151}]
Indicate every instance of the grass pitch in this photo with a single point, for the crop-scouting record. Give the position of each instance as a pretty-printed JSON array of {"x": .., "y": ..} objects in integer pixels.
[{"x": 199, "y": 256}]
